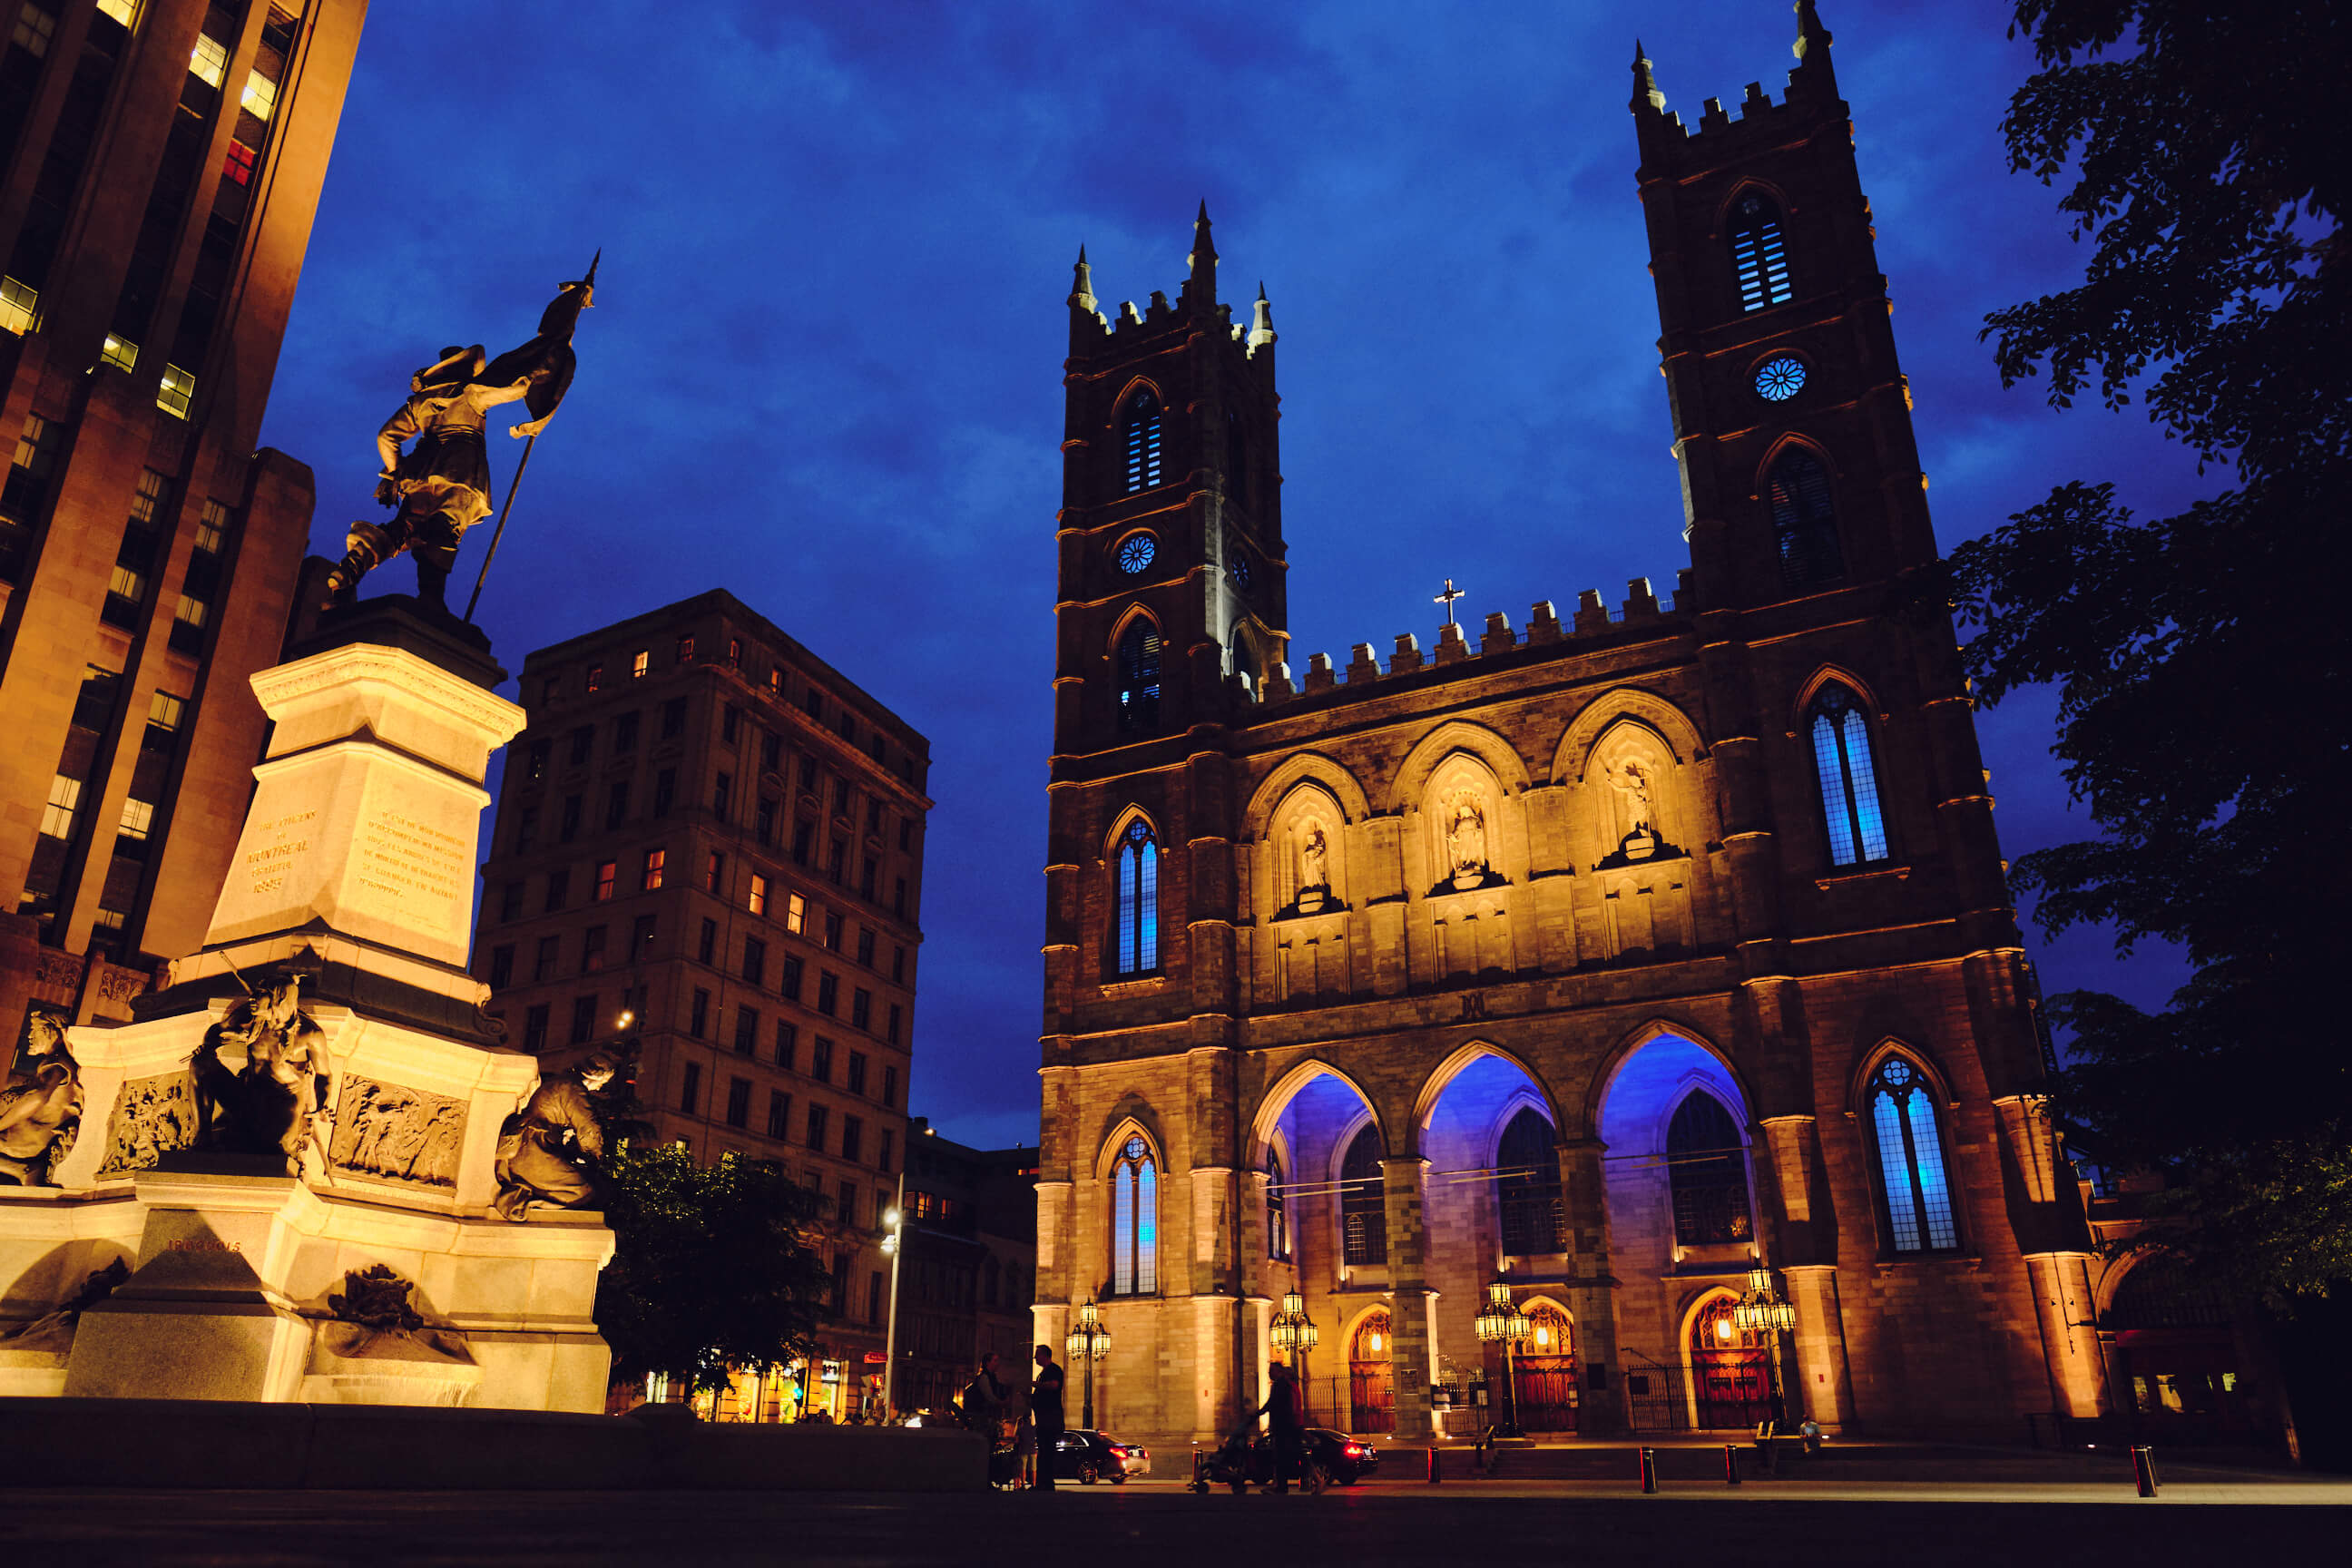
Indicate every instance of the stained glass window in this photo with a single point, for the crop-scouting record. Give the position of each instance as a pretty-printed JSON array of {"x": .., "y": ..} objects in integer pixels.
[
  {"x": 1804, "y": 520},
  {"x": 1527, "y": 1184},
  {"x": 1707, "y": 1172},
  {"x": 1363, "y": 1203},
  {"x": 1135, "y": 552},
  {"x": 1136, "y": 869},
  {"x": 1911, "y": 1160},
  {"x": 1140, "y": 438},
  {"x": 1849, "y": 779},
  {"x": 1138, "y": 677},
  {"x": 1779, "y": 378},
  {"x": 1134, "y": 1221},
  {"x": 1758, "y": 257}
]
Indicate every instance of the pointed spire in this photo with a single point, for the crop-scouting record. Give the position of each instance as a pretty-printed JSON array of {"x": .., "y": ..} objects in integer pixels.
[
  {"x": 1813, "y": 38},
  {"x": 1204, "y": 251},
  {"x": 1645, "y": 88},
  {"x": 1082, "y": 287},
  {"x": 1260, "y": 331}
]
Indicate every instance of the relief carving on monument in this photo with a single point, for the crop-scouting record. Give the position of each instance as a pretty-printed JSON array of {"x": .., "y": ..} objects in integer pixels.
[
  {"x": 399, "y": 1134},
  {"x": 40, "y": 1110},
  {"x": 152, "y": 1117}
]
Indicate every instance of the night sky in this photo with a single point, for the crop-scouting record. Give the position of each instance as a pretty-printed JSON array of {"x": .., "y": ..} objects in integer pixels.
[{"x": 824, "y": 369}]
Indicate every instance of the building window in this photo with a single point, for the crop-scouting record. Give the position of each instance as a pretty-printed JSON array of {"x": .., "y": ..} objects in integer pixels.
[
  {"x": 34, "y": 29},
  {"x": 1137, "y": 881},
  {"x": 706, "y": 950},
  {"x": 640, "y": 662},
  {"x": 616, "y": 804},
  {"x": 787, "y": 1039},
  {"x": 689, "y": 1089},
  {"x": 844, "y": 1204},
  {"x": 1277, "y": 1211},
  {"x": 649, "y": 880},
  {"x": 568, "y": 823},
  {"x": 502, "y": 966},
  {"x": 1804, "y": 523},
  {"x": 1911, "y": 1160},
  {"x": 698, "y": 1018},
  {"x": 20, "y": 306},
  {"x": 755, "y": 961},
  {"x": 591, "y": 951},
  {"x": 821, "y": 1060},
  {"x": 1134, "y": 1221},
  {"x": 833, "y": 929},
  {"x": 828, "y": 993},
  {"x": 1139, "y": 676},
  {"x": 526, "y": 829},
  {"x": 641, "y": 939},
  {"x": 875, "y": 1283},
  {"x": 893, "y": 1024},
  {"x": 857, "y": 1072},
  {"x": 889, "y": 1086},
  {"x": 1849, "y": 780},
  {"x": 1706, "y": 1167},
  {"x": 544, "y": 961},
  {"x": 584, "y": 1018},
  {"x": 747, "y": 1031},
  {"x": 780, "y": 1113},
  {"x": 608, "y": 873},
  {"x": 1759, "y": 259},
  {"x": 510, "y": 901},
  {"x": 558, "y": 890},
  {"x": 853, "y": 1137},
  {"x": 1363, "y": 1201},
  {"x": 795, "y": 913},
  {"x": 898, "y": 966},
  {"x": 119, "y": 353},
  {"x": 714, "y": 872},
  {"x": 664, "y": 791},
  {"x": 686, "y": 649},
  {"x": 673, "y": 713},
  {"x": 1527, "y": 1184},
  {"x": 861, "y": 1008},
  {"x": 1139, "y": 439},
  {"x": 176, "y": 391},
  {"x": 534, "y": 1028},
  {"x": 209, "y": 61},
  {"x": 65, "y": 799},
  {"x": 722, "y": 790},
  {"x": 730, "y": 725},
  {"x": 817, "y": 1117},
  {"x": 624, "y": 734},
  {"x": 789, "y": 983},
  {"x": 595, "y": 681},
  {"x": 738, "y": 1102},
  {"x": 882, "y": 1156}
]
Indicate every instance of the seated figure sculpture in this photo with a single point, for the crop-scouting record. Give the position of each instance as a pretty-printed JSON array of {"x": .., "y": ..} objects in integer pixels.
[
  {"x": 548, "y": 1150},
  {"x": 272, "y": 1104}
]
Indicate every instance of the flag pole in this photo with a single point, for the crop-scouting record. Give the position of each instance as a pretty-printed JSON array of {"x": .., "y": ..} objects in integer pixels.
[{"x": 492, "y": 553}]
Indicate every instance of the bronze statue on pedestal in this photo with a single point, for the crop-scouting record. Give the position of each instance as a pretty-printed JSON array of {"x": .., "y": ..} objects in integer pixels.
[
  {"x": 548, "y": 1150},
  {"x": 271, "y": 1105}
]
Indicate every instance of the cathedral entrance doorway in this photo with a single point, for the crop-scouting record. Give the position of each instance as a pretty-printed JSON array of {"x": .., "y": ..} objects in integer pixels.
[
  {"x": 1730, "y": 1370},
  {"x": 1547, "y": 1371},
  {"x": 1372, "y": 1388}
]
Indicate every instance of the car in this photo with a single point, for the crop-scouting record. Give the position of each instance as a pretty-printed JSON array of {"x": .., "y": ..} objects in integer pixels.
[
  {"x": 1344, "y": 1459},
  {"x": 1087, "y": 1457}
]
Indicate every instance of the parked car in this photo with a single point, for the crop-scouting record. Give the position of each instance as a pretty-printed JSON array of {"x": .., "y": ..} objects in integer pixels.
[
  {"x": 1087, "y": 1457},
  {"x": 1341, "y": 1457}
]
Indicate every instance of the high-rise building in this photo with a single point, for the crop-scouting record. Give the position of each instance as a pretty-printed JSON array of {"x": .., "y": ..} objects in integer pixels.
[
  {"x": 1622, "y": 964},
  {"x": 711, "y": 841},
  {"x": 159, "y": 166},
  {"x": 967, "y": 1276}
]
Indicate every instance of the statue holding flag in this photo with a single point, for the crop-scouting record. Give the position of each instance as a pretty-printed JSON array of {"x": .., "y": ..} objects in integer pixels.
[{"x": 440, "y": 484}]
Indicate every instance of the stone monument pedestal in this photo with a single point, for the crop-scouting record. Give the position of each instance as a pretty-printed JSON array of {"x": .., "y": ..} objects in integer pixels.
[{"x": 367, "y": 1268}]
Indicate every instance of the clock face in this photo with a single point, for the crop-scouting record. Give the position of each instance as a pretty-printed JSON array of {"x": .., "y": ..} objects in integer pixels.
[
  {"x": 1135, "y": 552},
  {"x": 1779, "y": 378}
]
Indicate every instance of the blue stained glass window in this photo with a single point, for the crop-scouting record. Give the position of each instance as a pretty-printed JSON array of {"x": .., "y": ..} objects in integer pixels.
[
  {"x": 1134, "y": 1221},
  {"x": 1848, "y": 778},
  {"x": 1140, "y": 438},
  {"x": 1759, "y": 255},
  {"x": 1779, "y": 378},
  {"x": 1136, "y": 879},
  {"x": 1138, "y": 677},
  {"x": 1911, "y": 1160}
]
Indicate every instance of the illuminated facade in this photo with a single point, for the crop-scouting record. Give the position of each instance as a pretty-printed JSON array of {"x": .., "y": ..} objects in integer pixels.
[
  {"x": 159, "y": 165},
  {"x": 1607, "y": 955}
]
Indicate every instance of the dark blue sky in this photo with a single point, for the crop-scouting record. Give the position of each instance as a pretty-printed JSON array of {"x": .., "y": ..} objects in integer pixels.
[{"x": 823, "y": 371}]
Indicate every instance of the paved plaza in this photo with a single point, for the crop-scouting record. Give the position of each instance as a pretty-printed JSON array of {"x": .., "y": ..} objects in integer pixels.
[{"x": 1159, "y": 1522}]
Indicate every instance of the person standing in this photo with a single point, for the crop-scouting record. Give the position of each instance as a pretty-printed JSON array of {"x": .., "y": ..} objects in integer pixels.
[
  {"x": 1288, "y": 1428},
  {"x": 1045, "y": 1414}
]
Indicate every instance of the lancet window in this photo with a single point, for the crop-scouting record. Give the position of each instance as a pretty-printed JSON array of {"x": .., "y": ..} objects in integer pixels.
[
  {"x": 1849, "y": 778},
  {"x": 1363, "y": 1203},
  {"x": 1138, "y": 677},
  {"x": 1139, "y": 439},
  {"x": 1527, "y": 1184},
  {"x": 1136, "y": 884},
  {"x": 1804, "y": 520},
  {"x": 1903, "y": 1122},
  {"x": 1134, "y": 1221},
  {"x": 1759, "y": 258},
  {"x": 1707, "y": 1172}
]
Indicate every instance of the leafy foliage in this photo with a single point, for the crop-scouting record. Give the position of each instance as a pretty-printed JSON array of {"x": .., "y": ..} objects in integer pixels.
[
  {"x": 712, "y": 1271},
  {"x": 2201, "y": 659}
]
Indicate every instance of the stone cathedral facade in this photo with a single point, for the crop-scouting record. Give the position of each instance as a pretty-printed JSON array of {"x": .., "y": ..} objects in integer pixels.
[{"x": 1608, "y": 955}]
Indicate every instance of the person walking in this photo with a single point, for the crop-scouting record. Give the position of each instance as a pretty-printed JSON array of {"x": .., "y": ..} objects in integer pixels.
[
  {"x": 1045, "y": 1414},
  {"x": 1284, "y": 1425}
]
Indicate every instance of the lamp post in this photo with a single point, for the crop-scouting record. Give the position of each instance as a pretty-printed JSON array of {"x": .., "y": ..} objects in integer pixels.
[
  {"x": 893, "y": 1220},
  {"x": 1295, "y": 1334},
  {"x": 1088, "y": 1343},
  {"x": 1501, "y": 1322},
  {"x": 1761, "y": 1311}
]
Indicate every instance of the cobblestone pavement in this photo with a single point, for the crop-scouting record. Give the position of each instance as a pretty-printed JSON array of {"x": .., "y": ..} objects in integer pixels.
[{"x": 1143, "y": 1525}]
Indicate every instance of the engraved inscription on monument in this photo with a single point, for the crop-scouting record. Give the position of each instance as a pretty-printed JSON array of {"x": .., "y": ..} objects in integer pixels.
[
  {"x": 403, "y": 1135},
  {"x": 272, "y": 849},
  {"x": 402, "y": 859}
]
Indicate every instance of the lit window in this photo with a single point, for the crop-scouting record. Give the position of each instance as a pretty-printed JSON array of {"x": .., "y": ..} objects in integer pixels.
[
  {"x": 652, "y": 878},
  {"x": 163, "y": 712},
  {"x": 177, "y": 391},
  {"x": 1758, "y": 258},
  {"x": 686, "y": 649},
  {"x": 1911, "y": 1160},
  {"x": 127, "y": 584},
  {"x": 608, "y": 873},
  {"x": 138, "y": 818},
  {"x": 1849, "y": 780},
  {"x": 34, "y": 29},
  {"x": 147, "y": 501},
  {"x": 1779, "y": 378},
  {"x": 212, "y": 529},
  {"x": 123, "y": 11},
  {"x": 237, "y": 168},
  {"x": 1134, "y": 1222},
  {"x": 795, "y": 913},
  {"x": 191, "y": 613},
  {"x": 260, "y": 99},
  {"x": 595, "y": 678},
  {"x": 119, "y": 354},
  {"x": 1137, "y": 886},
  {"x": 759, "y": 901},
  {"x": 1139, "y": 437},
  {"x": 1138, "y": 677},
  {"x": 58, "y": 816},
  {"x": 210, "y": 61},
  {"x": 1804, "y": 522},
  {"x": 20, "y": 306},
  {"x": 1363, "y": 1203},
  {"x": 639, "y": 662}
]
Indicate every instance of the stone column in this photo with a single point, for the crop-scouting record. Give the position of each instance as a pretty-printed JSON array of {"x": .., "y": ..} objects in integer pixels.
[
  {"x": 1592, "y": 1290},
  {"x": 2068, "y": 1307},
  {"x": 1824, "y": 1383},
  {"x": 1410, "y": 1351}
]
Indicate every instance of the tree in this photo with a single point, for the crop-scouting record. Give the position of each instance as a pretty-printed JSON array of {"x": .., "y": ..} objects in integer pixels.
[
  {"x": 711, "y": 1271},
  {"x": 2201, "y": 659}
]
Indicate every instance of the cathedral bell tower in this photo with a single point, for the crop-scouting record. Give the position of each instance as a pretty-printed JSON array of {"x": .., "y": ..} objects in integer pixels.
[
  {"x": 1170, "y": 525},
  {"x": 1792, "y": 420}
]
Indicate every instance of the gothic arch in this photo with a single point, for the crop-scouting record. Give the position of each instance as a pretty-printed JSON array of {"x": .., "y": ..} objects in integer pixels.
[
  {"x": 1624, "y": 704},
  {"x": 1500, "y": 758},
  {"x": 1865, "y": 1064},
  {"x": 1596, "y": 1092},
  {"x": 1832, "y": 675},
  {"x": 1144, "y": 383},
  {"x": 1434, "y": 1086},
  {"x": 1133, "y": 614},
  {"x": 1780, "y": 447},
  {"x": 1356, "y": 1320},
  {"x": 1133, "y": 1117},
  {"x": 1304, "y": 843},
  {"x": 1131, "y": 812},
  {"x": 1299, "y": 768},
  {"x": 1740, "y": 187},
  {"x": 1276, "y": 1100}
]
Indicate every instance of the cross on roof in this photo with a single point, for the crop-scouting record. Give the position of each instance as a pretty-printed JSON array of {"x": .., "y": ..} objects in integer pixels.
[{"x": 1447, "y": 598}]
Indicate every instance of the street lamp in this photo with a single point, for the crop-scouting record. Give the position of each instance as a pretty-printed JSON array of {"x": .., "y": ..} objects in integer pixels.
[
  {"x": 1295, "y": 1334},
  {"x": 893, "y": 1219},
  {"x": 1088, "y": 1343},
  {"x": 1762, "y": 1312},
  {"x": 1500, "y": 1322}
]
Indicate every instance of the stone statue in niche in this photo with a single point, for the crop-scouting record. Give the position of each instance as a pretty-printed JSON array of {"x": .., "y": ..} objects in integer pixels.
[
  {"x": 1314, "y": 869},
  {"x": 1635, "y": 791},
  {"x": 40, "y": 1110},
  {"x": 548, "y": 1150},
  {"x": 153, "y": 1117},
  {"x": 404, "y": 1134},
  {"x": 275, "y": 1103},
  {"x": 1466, "y": 839}
]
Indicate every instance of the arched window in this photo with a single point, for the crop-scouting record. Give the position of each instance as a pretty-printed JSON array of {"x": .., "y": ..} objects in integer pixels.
[
  {"x": 1134, "y": 1221},
  {"x": 1804, "y": 523},
  {"x": 1849, "y": 779},
  {"x": 1137, "y": 878},
  {"x": 1278, "y": 1212},
  {"x": 1527, "y": 1184},
  {"x": 1707, "y": 1172},
  {"x": 1363, "y": 1202},
  {"x": 1139, "y": 676},
  {"x": 1758, "y": 258},
  {"x": 1911, "y": 1160},
  {"x": 1245, "y": 663},
  {"x": 1140, "y": 436}
]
